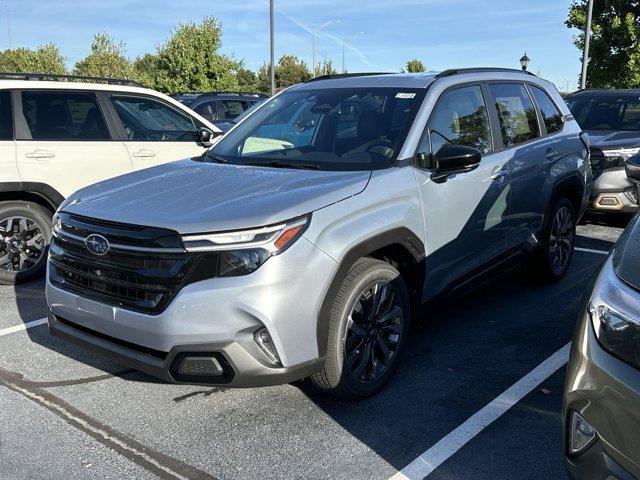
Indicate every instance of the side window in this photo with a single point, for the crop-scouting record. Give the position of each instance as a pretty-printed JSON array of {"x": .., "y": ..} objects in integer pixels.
[
  {"x": 6, "y": 117},
  {"x": 461, "y": 118},
  {"x": 553, "y": 118},
  {"x": 61, "y": 115},
  {"x": 146, "y": 119},
  {"x": 208, "y": 110},
  {"x": 232, "y": 108},
  {"x": 518, "y": 118}
]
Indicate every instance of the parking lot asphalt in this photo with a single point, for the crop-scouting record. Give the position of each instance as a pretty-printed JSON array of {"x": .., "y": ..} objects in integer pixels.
[{"x": 65, "y": 413}]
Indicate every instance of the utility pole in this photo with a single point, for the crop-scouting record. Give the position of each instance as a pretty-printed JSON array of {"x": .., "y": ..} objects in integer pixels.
[
  {"x": 8, "y": 12},
  {"x": 314, "y": 32},
  {"x": 272, "y": 69},
  {"x": 345, "y": 44},
  {"x": 585, "y": 53}
]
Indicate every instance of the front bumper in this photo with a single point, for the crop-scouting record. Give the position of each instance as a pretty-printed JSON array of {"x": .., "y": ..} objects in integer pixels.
[
  {"x": 612, "y": 191},
  {"x": 219, "y": 316},
  {"x": 606, "y": 393}
]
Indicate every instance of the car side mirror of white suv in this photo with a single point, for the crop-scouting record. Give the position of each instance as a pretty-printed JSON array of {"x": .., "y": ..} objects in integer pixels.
[{"x": 206, "y": 136}]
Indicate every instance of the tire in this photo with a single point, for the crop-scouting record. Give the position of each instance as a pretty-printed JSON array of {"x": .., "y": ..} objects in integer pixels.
[
  {"x": 553, "y": 260},
  {"x": 364, "y": 374},
  {"x": 25, "y": 228}
]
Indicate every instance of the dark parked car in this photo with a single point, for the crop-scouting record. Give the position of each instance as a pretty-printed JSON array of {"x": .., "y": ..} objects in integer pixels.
[
  {"x": 220, "y": 107},
  {"x": 602, "y": 392},
  {"x": 612, "y": 119}
]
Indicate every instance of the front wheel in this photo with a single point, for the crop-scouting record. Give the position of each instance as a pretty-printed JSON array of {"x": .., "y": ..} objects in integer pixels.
[
  {"x": 368, "y": 326},
  {"x": 25, "y": 233},
  {"x": 552, "y": 263}
]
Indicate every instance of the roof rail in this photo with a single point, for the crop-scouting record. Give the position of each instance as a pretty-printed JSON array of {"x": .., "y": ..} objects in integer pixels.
[
  {"x": 346, "y": 75},
  {"x": 457, "y": 71},
  {"x": 57, "y": 77},
  {"x": 222, "y": 92}
]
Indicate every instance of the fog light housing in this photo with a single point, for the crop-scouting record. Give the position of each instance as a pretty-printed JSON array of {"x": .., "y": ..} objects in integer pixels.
[
  {"x": 264, "y": 341},
  {"x": 581, "y": 434}
]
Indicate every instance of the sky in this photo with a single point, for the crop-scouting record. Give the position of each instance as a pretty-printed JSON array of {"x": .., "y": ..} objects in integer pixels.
[{"x": 441, "y": 33}]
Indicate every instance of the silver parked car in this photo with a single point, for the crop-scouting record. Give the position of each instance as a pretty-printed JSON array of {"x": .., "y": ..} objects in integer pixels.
[{"x": 298, "y": 245}]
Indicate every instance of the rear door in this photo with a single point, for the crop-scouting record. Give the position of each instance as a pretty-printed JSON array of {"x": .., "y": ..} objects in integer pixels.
[
  {"x": 65, "y": 141},
  {"x": 155, "y": 132},
  {"x": 9, "y": 175},
  {"x": 523, "y": 143}
]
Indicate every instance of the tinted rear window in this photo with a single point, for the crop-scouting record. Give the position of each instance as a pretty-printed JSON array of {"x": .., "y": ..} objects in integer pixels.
[{"x": 607, "y": 112}]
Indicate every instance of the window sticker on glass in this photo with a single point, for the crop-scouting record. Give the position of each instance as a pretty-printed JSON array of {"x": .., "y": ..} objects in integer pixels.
[{"x": 405, "y": 95}]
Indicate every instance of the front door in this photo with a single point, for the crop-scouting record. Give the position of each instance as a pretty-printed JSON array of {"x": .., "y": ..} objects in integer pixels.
[
  {"x": 466, "y": 216},
  {"x": 155, "y": 132}
]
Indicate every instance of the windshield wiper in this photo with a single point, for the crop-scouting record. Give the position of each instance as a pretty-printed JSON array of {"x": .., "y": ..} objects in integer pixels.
[
  {"x": 214, "y": 158},
  {"x": 283, "y": 164}
]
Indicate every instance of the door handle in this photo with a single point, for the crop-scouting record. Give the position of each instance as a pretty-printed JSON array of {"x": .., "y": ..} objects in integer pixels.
[
  {"x": 500, "y": 174},
  {"x": 551, "y": 155},
  {"x": 40, "y": 154},
  {"x": 144, "y": 153}
]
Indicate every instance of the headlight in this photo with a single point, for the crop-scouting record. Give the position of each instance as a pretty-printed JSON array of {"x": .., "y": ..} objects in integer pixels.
[
  {"x": 244, "y": 251},
  {"x": 617, "y": 333}
]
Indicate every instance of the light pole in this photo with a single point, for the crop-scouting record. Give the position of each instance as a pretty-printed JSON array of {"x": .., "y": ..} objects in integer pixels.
[
  {"x": 315, "y": 31},
  {"x": 272, "y": 68},
  {"x": 345, "y": 44},
  {"x": 585, "y": 53},
  {"x": 524, "y": 61}
]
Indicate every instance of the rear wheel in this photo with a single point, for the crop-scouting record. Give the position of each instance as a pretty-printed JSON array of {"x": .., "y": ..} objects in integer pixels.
[
  {"x": 553, "y": 261},
  {"x": 368, "y": 326},
  {"x": 25, "y": 233}
]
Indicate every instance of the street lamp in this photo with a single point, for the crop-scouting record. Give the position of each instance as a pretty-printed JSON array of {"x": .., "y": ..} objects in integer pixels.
[
  {"x": 315, "y": 31},
  {"x": 345, "y": 44},
  {"x": 272, "y": 48},
  {"x": 524, "y": 61}
]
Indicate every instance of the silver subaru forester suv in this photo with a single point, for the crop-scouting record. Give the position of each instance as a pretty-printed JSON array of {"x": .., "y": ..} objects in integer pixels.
[{"x": 300, "y": 243}]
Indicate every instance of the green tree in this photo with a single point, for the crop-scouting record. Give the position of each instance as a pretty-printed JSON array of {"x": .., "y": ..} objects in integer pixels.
[
  {"x": 325, "y": 68},
  {"x": 145, "y": 69},
  {"x": 190, "y": 60},
  {"x": 106, "y": 59},
  {"x": 43, "y": 59},
  {"x": 246, "y": 80},
  {"x": 289, "y": 71},
  {"x": 415, "y": 66},
  {"x": 615, "y": 41}
]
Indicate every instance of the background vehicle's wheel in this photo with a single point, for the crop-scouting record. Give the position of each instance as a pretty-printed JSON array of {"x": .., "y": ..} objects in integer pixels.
[
  {"x": 559, "y": 233},
  {"x": 25, "y": 233},
  {"x": 368, "y": 326}
]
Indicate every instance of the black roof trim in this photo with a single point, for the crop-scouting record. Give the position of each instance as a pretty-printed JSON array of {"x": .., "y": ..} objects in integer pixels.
[
  {"x": 198, "y": 94},
  {"x": 56, "y": 77},
  {"x": 458, "y": 71},
  {"x": 346, "y": 75},
  {"x": 606, "y": 91}
]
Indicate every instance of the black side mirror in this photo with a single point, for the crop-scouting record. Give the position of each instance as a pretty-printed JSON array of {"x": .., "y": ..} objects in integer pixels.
[
  {"x": 206, "y": 136},
  {"x": 452, "y": 159},
  {"x": 632, "y": 167}
]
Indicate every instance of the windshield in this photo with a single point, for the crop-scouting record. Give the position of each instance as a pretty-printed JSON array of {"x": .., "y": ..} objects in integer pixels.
[
  {"x": 607, "y": 112},
  {"x": 327, "y": 129}
]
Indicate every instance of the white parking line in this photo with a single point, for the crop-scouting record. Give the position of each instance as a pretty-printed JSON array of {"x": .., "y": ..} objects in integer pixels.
[
  {"x": 590, "y": 250},
  {"x": 454, "y": 441},
  {"x": 23, "y": 326}
]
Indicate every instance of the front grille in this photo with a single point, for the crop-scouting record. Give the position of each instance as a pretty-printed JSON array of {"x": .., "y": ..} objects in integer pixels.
[{"x": 144, "y": 281}]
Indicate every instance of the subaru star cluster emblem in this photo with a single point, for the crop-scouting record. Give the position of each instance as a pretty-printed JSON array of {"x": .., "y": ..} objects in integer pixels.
[{"x": 97, "y": 244}]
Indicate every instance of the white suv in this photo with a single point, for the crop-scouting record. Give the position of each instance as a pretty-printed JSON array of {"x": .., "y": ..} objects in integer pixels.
[{"x": 59, "y": 136}]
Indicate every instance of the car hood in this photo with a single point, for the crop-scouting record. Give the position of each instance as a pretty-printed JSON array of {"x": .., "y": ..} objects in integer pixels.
[
  {"x": 193, "y": 197},
  {"x": 613, "y": 139},
  {"x": 626, "y": 255}
]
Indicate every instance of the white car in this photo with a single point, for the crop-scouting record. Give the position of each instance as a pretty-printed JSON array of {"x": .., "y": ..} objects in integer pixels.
[{"x": 59, "y": 136}]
